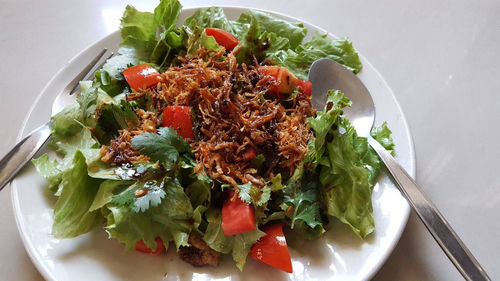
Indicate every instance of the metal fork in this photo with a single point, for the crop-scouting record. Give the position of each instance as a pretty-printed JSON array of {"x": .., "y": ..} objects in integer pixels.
[{"x": 23, "y": 151}]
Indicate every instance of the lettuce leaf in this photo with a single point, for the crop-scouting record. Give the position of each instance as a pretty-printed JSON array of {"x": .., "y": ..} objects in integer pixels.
[
  {"x": 257, "y": 43},
  {"x": 348, "y": 180},
  {"x": 72, "y": 215},
  {"x": 106, "y": 191},
  {"x": 299, "y": 60},
  {"x": 67, "y": 147},
  {"x": 49, "y": 170},
  {"x": 323, "y": 122},
  {"x": 197, "y": 38},
  {"x": 209, "y": 17},
  {"x": 293, "y": 32},
  {"x": 347, "y": 165},
  {"x": 383, "y": 135},
  {"x": 171, "y": 220},
  {"x": 145, "y": 35}
]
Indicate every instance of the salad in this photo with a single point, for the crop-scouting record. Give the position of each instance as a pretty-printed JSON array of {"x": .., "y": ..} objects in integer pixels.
[{"x": 201, "y": 135}]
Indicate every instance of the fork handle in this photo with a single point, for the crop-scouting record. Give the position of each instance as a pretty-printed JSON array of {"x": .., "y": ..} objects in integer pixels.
[
  {"x": 437, "y": 225},
  {"x": 20, "y": 154}
]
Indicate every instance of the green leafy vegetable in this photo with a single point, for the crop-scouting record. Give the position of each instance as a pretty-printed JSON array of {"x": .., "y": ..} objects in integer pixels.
[
  {"x": 197, "y": 38},
  {"x": 209, "y": 17},
  {"x": 294, "y": 33},
  {"x": 105, "y": 193},
  {"x": 48, "y": 169},
  {"x": 171, "y": 220},
  {"x": 251, "y": 193},
  {"x": 72, "y": 215},
  {"x": 302, "y": 196},
  {"x": 323, "y": 122},
  {"x": 347, "y": 166},
  {"x": 164, "y": 147},
  {"x": 152, "y": 195},
  {"x": 383, "y": 135},
  {"x": 116, "y": 117},
  {"x": 299, "y": 60}
]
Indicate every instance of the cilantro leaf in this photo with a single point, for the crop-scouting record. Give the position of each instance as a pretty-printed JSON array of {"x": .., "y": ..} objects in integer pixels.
[
  {"x": 244, "y": 192},
  {"x": 153, "y": 194},
  {"x": 302, "y": 195},
  {"x": 164, "y": 147},
  {"x": 250, "y": 193},
  {"x": 175, "y": 140},
  {"x": 153, "y": 197}
]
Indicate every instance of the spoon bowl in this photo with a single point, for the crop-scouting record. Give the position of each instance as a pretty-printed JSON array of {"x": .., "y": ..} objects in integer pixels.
[{"x": 326, "y": 74}]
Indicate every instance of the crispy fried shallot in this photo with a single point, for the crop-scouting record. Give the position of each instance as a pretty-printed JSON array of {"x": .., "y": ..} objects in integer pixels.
[{"x": 234, "y": 121}]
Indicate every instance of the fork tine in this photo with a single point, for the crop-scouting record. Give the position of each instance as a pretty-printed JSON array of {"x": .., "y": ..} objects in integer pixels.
[
  {"x": 87, "y": 71},
  {"x": 97, "y": 66}
]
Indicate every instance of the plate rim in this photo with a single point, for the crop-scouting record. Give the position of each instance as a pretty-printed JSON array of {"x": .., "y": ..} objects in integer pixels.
[{"x": 27, "y": 243}]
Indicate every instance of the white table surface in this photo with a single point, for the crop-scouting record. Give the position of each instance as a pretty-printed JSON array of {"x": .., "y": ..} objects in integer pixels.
[{"x": 439, "y": 57}]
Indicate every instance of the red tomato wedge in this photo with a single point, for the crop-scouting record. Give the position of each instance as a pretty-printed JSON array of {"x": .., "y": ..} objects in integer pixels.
[
  {"x": 237, "y": 216},
  {"x": 140, "y": 246},
  {"x": 286, "y": 80},
  {"x": 179, "y": 118},
  {"x": 141, "y": 76},
  {"x": 272, "y": 249},
  {"x": 306, "y": 86},
  {"x": 223, "y": 38}
]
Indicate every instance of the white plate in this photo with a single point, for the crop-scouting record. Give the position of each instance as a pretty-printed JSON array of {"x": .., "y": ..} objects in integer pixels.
[{"x": 338, "y": 255}]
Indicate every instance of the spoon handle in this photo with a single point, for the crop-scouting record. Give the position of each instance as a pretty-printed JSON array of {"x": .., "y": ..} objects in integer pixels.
[{"x": 437, "y": 225}]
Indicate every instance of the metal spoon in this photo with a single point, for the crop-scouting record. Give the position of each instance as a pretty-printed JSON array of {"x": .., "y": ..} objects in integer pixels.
[{"x": 326, "y": 74}]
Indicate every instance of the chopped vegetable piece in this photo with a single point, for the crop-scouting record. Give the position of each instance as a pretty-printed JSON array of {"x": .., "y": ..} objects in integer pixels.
[
  {"x": 140, "y": 246},
  {"x": 286, "y": 81},
  {"x": 179, "y": 118},
  {"x": 272, "y": 249},
  {"x": 306, "y": 86},
  {"x": 141, "y": 76},
  {"x": 223, "y": 38},
  {"x": 237, "y": 216}
]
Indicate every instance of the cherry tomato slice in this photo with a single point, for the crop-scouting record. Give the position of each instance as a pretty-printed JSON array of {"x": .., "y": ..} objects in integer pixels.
[
  {"x": 140, "y": 246},
  {"x": 237, "y": 216},
  {"x": 286, "y": 81},
  {"x": 141, "y": 76},
  {"x": 223, "y": 38},
  {"x": 306, "y": 86},
  {"x": 272, "y": 249},
  {"x": 179, "y": 118}
]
